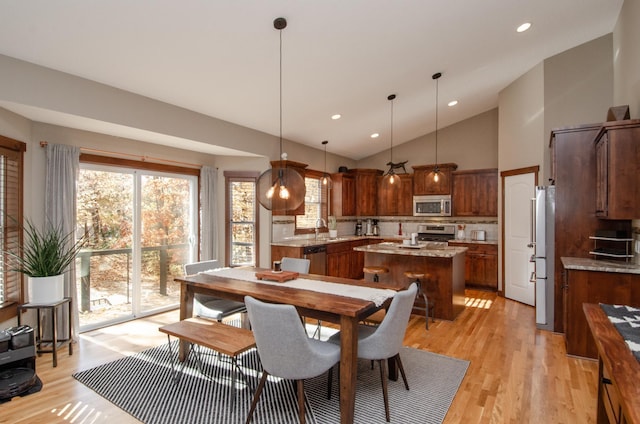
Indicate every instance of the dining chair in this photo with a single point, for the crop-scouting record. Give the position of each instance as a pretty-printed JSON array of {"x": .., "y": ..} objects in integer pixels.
[
  {"x": 285, "y": 351},
  {"x": 295, "y": 264},
  {"x": 385, "y": 341},
  {"x": 301, "y": 266},
  {"x": 206, "y": 306}
]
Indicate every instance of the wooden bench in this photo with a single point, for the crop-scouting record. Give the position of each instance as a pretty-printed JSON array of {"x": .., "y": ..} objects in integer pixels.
[{"x": 222, "y": 338}]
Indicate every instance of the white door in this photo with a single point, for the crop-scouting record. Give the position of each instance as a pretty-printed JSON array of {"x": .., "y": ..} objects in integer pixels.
[{"x": 518, "y": 192}]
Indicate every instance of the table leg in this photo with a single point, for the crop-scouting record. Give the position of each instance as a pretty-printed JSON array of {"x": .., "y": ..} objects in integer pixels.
[
  {"x": 186, "y": 311},
  {"x": 348, "y": 367},
  {"x": 54, "y": 347},
  {"x": 70, "y": 320}
]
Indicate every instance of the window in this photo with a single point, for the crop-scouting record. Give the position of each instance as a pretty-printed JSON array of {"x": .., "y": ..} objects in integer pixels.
[
  {"x": 241, "y": 218},
  {"x": 11, "y": 186},
  {"x": 315, "y": 203}
]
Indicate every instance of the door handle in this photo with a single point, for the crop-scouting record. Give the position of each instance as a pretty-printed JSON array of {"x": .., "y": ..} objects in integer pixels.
[{"x": 532, "y": 279}]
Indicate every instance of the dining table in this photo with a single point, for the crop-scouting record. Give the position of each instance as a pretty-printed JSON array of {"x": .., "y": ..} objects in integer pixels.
[{"x": 324, "y": 305}]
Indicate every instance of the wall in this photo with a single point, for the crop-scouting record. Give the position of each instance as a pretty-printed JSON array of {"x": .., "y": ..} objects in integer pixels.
[{"x": 472, "y": 144}]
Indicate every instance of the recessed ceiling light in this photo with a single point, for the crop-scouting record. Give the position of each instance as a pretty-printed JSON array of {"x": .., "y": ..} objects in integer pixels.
[
  {"x": 525, "y": 26},
  {"x": 375, "y": 135},
  {"x": 336, "y": 116},
  {"x": 452, "y": 103}
]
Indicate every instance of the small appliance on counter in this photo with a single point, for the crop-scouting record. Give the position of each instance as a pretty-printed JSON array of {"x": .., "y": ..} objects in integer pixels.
[
  {"x": 375, "y": 230},
  {"x": 359, "y": 228},
  {"x": 478, "y": 235},
  {"x": 368, "y": 228}
]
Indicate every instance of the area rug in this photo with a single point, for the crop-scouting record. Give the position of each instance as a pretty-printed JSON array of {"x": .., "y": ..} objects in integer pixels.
[{"x": 143, "y": 386}]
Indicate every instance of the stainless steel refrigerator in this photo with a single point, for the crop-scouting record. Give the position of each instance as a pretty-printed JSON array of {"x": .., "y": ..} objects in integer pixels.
[{"x": 542, "y": 235}]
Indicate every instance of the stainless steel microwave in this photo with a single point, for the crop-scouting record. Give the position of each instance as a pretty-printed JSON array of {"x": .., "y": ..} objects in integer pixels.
[{"x": 434, "y": 205}]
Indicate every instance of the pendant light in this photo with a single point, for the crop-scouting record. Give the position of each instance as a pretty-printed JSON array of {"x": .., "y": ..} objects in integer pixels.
[
  {"x": 436, "y": 171},
  {"x": 326, "y": 178},
  {"x": 391, "y": 178},
  {"x": 281, "y": 188}
]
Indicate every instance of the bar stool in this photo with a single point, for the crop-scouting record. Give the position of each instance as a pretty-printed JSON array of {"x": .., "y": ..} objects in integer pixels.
[
  {"x": 375, "y": 270},
  {"x": 416, "y": 277}
]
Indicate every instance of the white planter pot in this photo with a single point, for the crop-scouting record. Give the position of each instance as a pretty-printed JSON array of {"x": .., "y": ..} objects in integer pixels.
[
  {"x": 46, "y": 289},
  {"x": 333, "y": 234}
]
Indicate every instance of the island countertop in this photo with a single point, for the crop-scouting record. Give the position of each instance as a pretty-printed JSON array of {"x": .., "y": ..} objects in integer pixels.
[{"x": 427, "y": 249}]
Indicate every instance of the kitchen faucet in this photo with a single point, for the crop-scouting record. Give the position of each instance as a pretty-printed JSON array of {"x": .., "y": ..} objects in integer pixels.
[{"x": 320, "y": 223}]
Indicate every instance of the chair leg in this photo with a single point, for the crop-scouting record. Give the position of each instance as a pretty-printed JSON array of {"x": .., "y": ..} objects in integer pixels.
[
  {"x": 301, "y": 400},
  {"x": 256, "y": 397},
  {"x": 329, "y": 383},
  {"x": 401, "y": 368},
  {"x": 426, "y": 310},
  {"x": 385, "y": 394}
]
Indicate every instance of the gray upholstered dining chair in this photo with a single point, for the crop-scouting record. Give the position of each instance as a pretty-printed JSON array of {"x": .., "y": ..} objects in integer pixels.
[
  {"x": 285, "y": 351},
  {"x": 385, "y": 341},
  {"x": 212, "y": 307},
  {"x": 302, "y": 266},
  {"x": 295, "y": 264}
]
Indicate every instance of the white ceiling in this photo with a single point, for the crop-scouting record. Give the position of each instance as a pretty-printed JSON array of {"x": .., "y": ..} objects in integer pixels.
[{"x": 220, "y": 58}]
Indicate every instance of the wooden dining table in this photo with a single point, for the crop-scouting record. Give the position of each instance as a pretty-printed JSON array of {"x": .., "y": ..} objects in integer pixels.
[{"x": 345, "y": 311}]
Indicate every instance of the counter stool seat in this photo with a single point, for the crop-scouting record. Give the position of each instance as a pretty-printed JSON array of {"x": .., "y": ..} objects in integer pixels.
[
  {"x": 419, "y": 277},
  {"x": 375, "y": 270}
]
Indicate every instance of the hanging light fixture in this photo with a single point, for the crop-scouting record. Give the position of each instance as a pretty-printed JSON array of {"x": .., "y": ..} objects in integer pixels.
[
  {"x": 326, "y": 178},
  {"x": 282, "y": 188},
  {"x": 391, "y": 177},
  {"x": 436, "y": 171}
]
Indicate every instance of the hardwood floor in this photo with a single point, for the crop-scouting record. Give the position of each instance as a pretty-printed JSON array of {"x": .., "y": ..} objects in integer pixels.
[{"x": 517, "y": 373}]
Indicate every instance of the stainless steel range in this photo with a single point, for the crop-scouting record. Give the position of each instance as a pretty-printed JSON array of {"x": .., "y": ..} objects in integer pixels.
[{"x": 436, "y": 232}]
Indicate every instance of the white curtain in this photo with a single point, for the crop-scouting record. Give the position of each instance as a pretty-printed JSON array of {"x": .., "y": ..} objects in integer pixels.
[
  {"x": 209, "y": 213},
  {"x": 62, "y": 170}
]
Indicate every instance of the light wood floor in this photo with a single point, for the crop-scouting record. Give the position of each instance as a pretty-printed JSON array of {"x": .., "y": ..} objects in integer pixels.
[{"x": 517, "y": 374}]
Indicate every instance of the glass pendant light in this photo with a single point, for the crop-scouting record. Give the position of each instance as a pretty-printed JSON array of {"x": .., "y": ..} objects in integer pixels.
[
  {"x": 436, "y": 171},
  {"x": 326, "y": 178},
  {"x": 282, "y": 188},
  {"x": 391, "y": 178}
]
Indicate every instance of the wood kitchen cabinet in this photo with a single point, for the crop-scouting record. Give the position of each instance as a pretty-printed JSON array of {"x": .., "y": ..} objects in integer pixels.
[
  {"x": 475, "y": 192},
  {"x": 279, "y": 206},
  {"x": 617, "y": 148},
  {"x": 581, "y": 287},
  {"x": 396, "y": 200},
  {"x": 343, "y": 194},
  {"x": 423, "y": 179},
  {"x": 343, "y": 261},
  {"x": 481, "y": 264},
  {"x": 366, "y": 186},
  {"x": 574, "y": 173}
]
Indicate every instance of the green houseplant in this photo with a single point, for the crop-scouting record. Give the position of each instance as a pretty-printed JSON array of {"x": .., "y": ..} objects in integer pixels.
[
  {"x": 333, "y": 227},
  {"x": 44, "y": 258}
]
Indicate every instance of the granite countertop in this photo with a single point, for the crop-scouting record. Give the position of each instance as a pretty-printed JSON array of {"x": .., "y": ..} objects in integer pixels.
[
  {"x": 324, "y": 240},
  {"x": 587, "y": 264},
  {"x": 430, "y": 249}
]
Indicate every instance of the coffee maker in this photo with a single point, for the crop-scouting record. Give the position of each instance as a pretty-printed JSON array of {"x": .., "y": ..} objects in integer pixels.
[
  {"x": 375, "y": 230},
  {"x": 359, "y": 228}
]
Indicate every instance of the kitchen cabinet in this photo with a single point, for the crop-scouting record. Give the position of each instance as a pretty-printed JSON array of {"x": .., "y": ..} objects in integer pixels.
[
  {"x": 574, "y": 173},
  {"x": 423, "y": 179},
  {"x": 582, "y": 286},
  {"x": 366, "y": 186},
  {"x": 279, "y": 206},
  {"x": 343, "y": 261},
  {"x": 396, "y": 200},
  {"x": 481, "y": 264},
  {"x": 617, "y": 148},
  {"x": 278, "y": 252},
  {"x": 343, "y": 194},
  {"x": 475, "y": 192}
]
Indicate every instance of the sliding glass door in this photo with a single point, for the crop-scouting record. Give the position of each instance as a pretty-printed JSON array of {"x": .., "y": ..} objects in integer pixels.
[{"x": 142, "y": 226}]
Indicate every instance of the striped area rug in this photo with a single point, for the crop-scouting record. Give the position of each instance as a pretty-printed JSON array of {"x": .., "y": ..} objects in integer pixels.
[{"x": 142, "y": 385}]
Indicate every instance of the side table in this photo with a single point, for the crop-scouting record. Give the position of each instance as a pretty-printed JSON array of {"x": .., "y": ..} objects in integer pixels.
[{"x": 53, "y": 308}]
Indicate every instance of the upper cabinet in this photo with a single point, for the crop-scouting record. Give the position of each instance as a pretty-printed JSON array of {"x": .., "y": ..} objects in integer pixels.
[
  {"x": 423, "y": 182},
  {"x": 396, "y": 200},
  {"x": 366, "y": 182},
  {"x": 617, "y": 148},
  {"x": 343, "y": 194},
  {"x": 279, "y": 206},
  {"x": 475, "y": 192}
]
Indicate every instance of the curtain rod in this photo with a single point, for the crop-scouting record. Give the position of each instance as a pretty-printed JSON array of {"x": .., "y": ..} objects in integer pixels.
[{"x": 138, "y": 157}]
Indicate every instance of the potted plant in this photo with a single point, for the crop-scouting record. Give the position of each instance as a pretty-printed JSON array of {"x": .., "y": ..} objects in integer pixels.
[
  {"x": 333, "y": 227},
  {"x": 44, "y": 258}
]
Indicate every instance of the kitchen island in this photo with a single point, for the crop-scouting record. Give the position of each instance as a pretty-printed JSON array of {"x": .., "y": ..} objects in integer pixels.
[{"x": 442, "y": 265}]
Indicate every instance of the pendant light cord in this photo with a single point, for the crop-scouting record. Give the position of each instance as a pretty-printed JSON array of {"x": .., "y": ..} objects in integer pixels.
[
  {"x": 280, "y": 94},
  {"x": 437, "y": 120}
]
